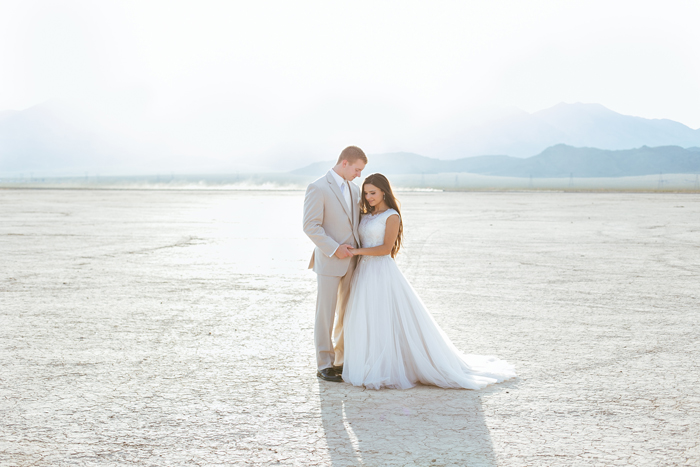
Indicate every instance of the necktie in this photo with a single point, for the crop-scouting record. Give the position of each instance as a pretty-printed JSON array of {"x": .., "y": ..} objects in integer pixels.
[{"x": 346, "y": 194}]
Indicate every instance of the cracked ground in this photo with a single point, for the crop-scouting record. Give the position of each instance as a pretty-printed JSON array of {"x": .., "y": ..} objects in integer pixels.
[{"x": 160, "y": 328}]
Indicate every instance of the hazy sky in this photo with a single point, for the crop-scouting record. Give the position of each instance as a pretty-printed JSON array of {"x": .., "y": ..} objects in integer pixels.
[{"x": 239, "y": 80}]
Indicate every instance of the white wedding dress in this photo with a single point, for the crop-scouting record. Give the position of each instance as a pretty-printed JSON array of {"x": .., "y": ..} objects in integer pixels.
[{"x": 391, "y": 340}]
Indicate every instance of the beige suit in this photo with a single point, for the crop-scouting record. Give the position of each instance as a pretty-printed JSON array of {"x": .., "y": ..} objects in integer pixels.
[{"x": 330, "y": 222}]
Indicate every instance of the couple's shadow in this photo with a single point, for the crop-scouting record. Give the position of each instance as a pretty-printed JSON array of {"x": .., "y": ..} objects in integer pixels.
[{"x": 420, "y": 426}]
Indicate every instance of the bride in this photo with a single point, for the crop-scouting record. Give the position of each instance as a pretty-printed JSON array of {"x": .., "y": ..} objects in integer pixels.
[{"x": 391, "y": 340}]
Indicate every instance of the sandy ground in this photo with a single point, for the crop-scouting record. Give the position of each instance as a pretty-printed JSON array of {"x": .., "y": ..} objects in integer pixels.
[{"x": 175, "y": 328}]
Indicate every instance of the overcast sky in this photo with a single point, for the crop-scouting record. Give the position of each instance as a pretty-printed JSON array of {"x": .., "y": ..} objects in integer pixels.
[{"x": 236, "y": 80}]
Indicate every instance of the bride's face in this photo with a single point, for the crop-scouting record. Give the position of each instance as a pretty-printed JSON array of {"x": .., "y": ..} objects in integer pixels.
[{"x": 373, "y": 195}]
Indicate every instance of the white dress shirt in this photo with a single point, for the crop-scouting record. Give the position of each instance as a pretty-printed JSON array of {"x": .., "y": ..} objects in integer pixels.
[{"x": 344, "y": 188}]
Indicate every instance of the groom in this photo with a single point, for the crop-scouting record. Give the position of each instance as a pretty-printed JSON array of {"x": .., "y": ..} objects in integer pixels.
[{"x": 331, "y": 217}]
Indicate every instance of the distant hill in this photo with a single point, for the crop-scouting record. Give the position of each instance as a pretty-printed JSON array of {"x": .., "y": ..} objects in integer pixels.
[
  {"x": 395, "y": 163},
  {"x": 56, "y": 138},
  {"x": 522, "y": 134},
  {"x": 562, "y": 160},
  {"x": 557, "y": 161}
]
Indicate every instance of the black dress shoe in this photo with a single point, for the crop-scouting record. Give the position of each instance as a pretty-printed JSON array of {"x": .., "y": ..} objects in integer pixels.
[
  {"x": 338, "y": 370},
  {"x": 329, "y": 374}
]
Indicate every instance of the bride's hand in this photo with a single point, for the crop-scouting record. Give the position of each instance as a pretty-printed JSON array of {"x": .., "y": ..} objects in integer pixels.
[{"x": 355, "y": 251}]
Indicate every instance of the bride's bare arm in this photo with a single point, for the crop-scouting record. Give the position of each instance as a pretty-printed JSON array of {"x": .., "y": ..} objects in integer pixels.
[{"x": 392, "y": 231}]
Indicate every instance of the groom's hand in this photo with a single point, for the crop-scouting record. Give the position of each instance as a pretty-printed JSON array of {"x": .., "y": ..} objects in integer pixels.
[{"x": 342, "y": 252}]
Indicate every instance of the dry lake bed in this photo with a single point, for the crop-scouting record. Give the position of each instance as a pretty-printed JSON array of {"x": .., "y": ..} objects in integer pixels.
[{"x": 167, "y": 328}]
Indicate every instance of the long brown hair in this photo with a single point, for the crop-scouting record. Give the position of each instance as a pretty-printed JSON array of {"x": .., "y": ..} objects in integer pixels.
[{"x": 381, "y": 182}]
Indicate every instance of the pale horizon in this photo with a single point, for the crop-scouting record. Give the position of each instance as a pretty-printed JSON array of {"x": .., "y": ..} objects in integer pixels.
[{"x": 216, "y": 84}]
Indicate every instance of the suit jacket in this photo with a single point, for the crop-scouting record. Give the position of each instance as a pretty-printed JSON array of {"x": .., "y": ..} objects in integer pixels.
[{"x": 329, "y": 222}]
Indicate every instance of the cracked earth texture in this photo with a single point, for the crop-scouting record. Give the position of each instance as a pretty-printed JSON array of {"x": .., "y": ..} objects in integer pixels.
[{"x": 158, "y": 328}]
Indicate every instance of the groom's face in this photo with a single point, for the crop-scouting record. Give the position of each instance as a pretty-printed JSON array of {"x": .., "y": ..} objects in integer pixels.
[{"x": 352, "y": 171}]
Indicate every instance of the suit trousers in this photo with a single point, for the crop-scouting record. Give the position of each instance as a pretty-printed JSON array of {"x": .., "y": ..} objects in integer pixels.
[{"x": 331, "y": 300}]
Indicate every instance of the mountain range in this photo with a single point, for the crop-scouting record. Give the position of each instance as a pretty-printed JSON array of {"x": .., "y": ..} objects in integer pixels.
[
  {"x": 557, "y": 161},
  {"x": 49, "y": 138},
  {"x": 58, "y": 139},
  {"x": 521, "y": 134}
]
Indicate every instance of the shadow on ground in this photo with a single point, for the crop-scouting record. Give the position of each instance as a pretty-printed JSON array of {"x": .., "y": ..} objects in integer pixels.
[{"x": 422, "y": 426}]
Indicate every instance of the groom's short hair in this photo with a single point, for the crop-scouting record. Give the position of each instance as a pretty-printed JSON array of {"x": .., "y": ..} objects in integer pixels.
[{"x": 352, "y": 154}]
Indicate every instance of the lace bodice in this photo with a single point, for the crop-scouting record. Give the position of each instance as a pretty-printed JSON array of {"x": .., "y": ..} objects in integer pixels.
[{"x": 372, "y": 228}]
